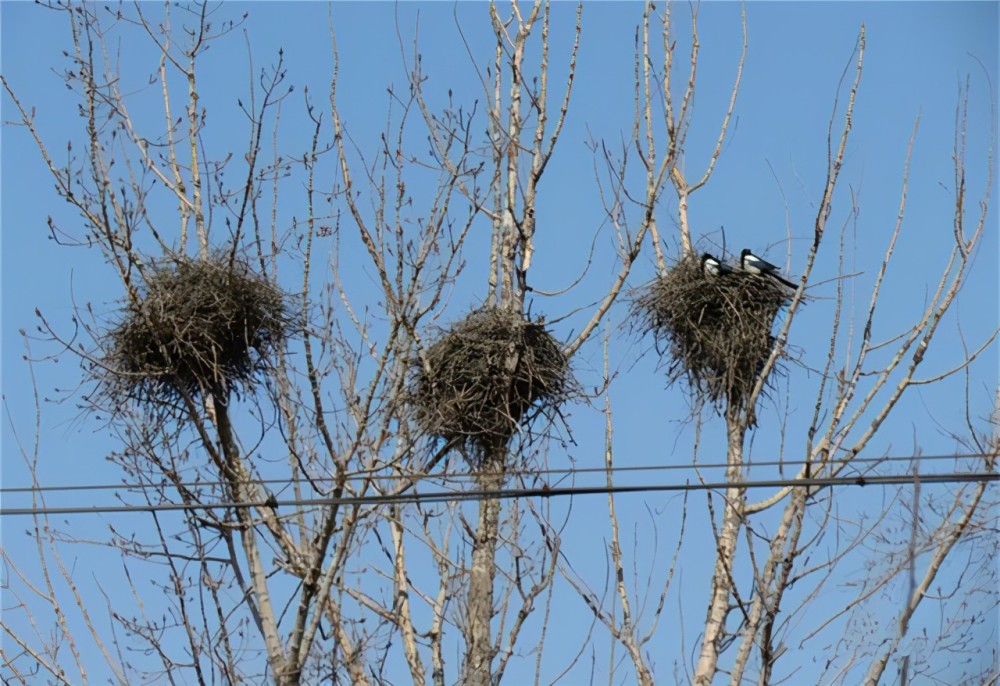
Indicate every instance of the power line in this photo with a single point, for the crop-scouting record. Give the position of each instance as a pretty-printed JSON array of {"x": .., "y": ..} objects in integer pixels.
[
  {"x": 362, "y": 476},
  {"x": 506, "y": 494}
]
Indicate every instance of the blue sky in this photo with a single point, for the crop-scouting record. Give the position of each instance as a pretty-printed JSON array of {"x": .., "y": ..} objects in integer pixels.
[{"x": 766, "y": 188}]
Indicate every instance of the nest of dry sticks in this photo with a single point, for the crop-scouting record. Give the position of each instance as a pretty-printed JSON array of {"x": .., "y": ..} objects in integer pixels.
[
  {"x": 716, "y": 329},
  {"x": 486, "y": 376},
  {"x": 200, "y": 325}
]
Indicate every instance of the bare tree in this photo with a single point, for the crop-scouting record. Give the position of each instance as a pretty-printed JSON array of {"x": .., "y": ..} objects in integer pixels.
[
  {"x": 780, "y": 552},
  {"x": 200, "y": 441},
  {"x": 279, "y": 575},
  {"x": 283, "y": 464}
]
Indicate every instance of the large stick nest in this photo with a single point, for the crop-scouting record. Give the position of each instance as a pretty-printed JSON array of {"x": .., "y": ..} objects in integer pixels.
[
  {"x": 484, "y": 377},
  {"x": 199, "y": 326},
  {"x": 717, "y": 329}
]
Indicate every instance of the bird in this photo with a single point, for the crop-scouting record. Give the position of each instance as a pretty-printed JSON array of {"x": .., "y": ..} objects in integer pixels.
[
  {"x": 712, "y": 267},
  {"x": 752, "y": 264}
]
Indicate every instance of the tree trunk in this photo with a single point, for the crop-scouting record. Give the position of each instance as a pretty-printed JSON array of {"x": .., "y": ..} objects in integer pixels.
[
  {"x": 480, "y": 650},
  {"x": 722, "y": 580},
  {"x": 258, "y": 596}
]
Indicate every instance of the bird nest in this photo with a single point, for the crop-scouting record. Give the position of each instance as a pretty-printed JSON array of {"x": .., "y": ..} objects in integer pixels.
[
  {"x": 206, "y": 325},
  {"x": 485, "y": 377},
  {"x": 717, "y": 329}
]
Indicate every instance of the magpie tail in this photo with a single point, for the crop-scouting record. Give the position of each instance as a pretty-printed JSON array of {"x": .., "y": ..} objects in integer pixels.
[{"x": 784, "y": 281}]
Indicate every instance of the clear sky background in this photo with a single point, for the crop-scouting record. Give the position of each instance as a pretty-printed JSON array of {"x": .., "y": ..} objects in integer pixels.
[{"x": 764, "y": 194}]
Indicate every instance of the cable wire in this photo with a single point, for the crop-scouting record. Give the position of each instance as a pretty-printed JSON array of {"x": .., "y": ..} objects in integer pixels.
[
  {"x": 506, "y": 494},
  {"x": 472, "y": 474}
]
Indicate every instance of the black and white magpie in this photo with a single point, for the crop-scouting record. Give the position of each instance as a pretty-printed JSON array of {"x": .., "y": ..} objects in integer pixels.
[
  {"x": 712, "y": 267},
  {"x": 752, "y": 264}
]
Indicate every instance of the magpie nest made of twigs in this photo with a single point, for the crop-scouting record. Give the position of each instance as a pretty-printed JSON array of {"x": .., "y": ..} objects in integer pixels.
[
  {"x": 199, "y": 325},
  {"x": 483, "y": 378},
  {"x": 716, "y": 329}
]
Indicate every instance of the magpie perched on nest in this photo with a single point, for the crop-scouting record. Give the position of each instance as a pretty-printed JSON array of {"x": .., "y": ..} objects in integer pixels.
[
  {"x": 715, "y": 322},
  {"x": 711, "y": 265},
  {"x": 752, "y": 264}
]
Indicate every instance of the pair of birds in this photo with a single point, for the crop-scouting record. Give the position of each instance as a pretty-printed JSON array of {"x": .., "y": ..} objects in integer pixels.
[{"x": 749, "y": 263}]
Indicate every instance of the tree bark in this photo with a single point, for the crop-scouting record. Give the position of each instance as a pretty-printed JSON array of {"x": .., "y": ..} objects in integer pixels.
[
  {"x": 259, "y": 597},
  {"x": 722, "y": 580},
  {"x": 480, "y": 649}
]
